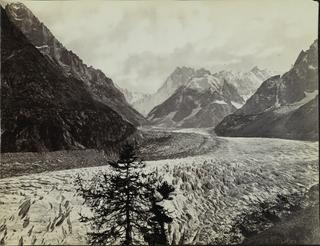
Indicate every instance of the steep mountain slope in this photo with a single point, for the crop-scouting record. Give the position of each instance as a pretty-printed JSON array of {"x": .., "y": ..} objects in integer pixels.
[
  {"x": 203, "y": 102},
  {"x": 101, "y": 87},
  {"x": 42, "y": 109},
  {"x": 284, "y": 106},
  {"x": 176, "y": 79},
  {"x": 246, "y": 82}
]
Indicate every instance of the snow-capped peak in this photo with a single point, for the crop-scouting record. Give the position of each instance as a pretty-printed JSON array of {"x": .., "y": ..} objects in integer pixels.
[
  {"x": 245, "y": 82},
  {"x": 204, "y": 83}
]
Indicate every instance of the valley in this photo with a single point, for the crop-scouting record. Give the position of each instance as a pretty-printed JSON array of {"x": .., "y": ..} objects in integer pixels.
[
  {"x": 219, "y": 182},
  {"x": 238, "y": 142}
]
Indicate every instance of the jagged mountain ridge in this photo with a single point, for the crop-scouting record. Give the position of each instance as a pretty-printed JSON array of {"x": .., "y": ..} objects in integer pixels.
[
  {"x": 100, "y": 86},
  {"x": 284, "y": 106},
  {"x": 245, "y": 82},
  {"x": 44, "y": 110},
  {"x": 202, "y": 102}
]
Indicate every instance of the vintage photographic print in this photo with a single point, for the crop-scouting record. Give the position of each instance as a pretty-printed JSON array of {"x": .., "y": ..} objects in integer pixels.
[{"x": 159, "y": 122}]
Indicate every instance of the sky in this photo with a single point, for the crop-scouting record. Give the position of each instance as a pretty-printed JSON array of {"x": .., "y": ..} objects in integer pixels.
[{"x": 139, "y": 43}]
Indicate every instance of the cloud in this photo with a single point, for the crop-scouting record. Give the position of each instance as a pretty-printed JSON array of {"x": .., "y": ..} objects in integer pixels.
[
  {"x": 272, "y": 51},
  {"x": 138, "y": 44}
]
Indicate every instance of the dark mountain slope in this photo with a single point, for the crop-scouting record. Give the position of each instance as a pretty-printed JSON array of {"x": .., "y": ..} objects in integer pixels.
[
  {"x": 100, "y": 86},
  {"x": 42, "y": 109},
  {"x": 283, "y": 106}
]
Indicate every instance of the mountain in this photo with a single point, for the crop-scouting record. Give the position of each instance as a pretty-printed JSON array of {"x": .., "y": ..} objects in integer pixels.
[
  {"x": 284, "y": 106},
  {"x": 202, "y": 102},
  {"x": 43, "y": 109},
  {"x": 176, "y": 79},
  {"x": 132, "y": 96},
  {"x": 245, "y": 82},
  {"x": 99, "y": 85}
]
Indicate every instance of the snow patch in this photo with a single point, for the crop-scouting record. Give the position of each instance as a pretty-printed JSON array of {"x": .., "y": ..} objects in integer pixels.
[
  {"x": 236, "y": 105},
  {"x": 204, "y": 83},
  {"x": 219, "y": 102},
  {"x": 42, "y": 46}
]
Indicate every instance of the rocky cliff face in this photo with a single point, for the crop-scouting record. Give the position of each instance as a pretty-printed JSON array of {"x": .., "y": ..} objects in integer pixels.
[
  {"x": 202, "y": 102},
  {"x": 42, "y": 109},
  {"x": 100, "y": 86},
  {"x": 284, "y": 106}
]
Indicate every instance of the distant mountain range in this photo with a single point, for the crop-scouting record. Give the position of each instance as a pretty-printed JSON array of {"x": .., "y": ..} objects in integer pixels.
[
  {"x": 245, "y": 82},
  {"x": 284, "y": 106},
  {"x": 99, "y": 85},
  {"x": 202, "y": 102},
  {"x": 43, "y": 108}
]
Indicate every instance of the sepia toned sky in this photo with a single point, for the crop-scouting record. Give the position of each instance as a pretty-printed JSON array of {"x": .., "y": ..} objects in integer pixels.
[{"x": 139, "y": 43}]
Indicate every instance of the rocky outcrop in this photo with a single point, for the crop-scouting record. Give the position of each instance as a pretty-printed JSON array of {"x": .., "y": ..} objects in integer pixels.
[
  {"x": 42, "y": 109},
  {"x": 99, "y": 85},
  {"x": 202, "y": 102},
  {"x": 284, "y": 106}
]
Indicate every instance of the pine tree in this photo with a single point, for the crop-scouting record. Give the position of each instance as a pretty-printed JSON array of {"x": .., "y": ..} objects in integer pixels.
[{"x": 120, "y": 201}]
